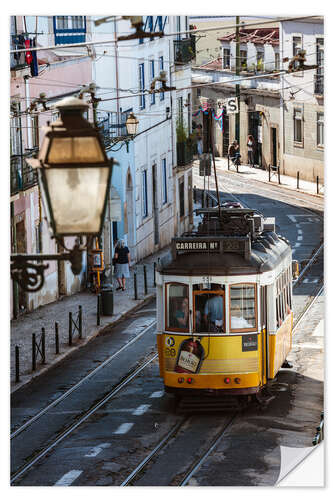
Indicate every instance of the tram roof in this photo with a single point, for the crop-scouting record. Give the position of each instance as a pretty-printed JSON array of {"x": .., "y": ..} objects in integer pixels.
[{"x": 263, "y": 254}]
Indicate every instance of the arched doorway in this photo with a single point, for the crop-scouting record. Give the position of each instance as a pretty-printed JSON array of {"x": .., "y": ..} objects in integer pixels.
[{"x": 129, "y": 215}]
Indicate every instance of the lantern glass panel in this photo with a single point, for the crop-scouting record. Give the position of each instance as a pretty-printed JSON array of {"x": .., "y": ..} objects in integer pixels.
[
  {"x": 75, "y": 150},
  {"x": 77, "y": 197}
]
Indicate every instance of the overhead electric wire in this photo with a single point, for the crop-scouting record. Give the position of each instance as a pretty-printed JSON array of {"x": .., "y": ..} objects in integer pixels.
[{"x": 113, "y": 41}]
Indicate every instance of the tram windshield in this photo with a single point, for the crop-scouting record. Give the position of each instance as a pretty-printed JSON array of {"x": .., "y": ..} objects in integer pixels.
[
  {"x": 177, "y": 317},
  {"x": 242, "y": 307},
  {"x": 209, "y": 311}
]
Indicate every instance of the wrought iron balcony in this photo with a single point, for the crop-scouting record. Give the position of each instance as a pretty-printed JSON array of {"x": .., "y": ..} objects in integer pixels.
[
  {"x": 184, "y": 153},
  {"x": 112, "y": 126},
  {"x": 319, "y": 84},
  {"x": 17, "y": 59},
  {"x": 22, "y": 176},
  {"x": 184, "y": 50}
]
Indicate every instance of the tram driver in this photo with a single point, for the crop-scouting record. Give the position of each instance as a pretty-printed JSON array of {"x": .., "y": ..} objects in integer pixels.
[{"x": 213, "y": 311}]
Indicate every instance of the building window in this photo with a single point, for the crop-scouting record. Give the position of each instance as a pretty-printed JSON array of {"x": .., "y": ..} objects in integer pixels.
[
  {"x": 144, "y": 194},
  {"x": 35, "y": 131},
  {"x": 198, "y": 92},
  {"x": 297, "y": 45},
  {"x": 277, "y": 60},
  {"x": 177, "y": 311},
  {"x": 161, "y": 68},
  {"x": 226, "y": 58},
  {"x": 260, "y": 60},
  {"x": 181, "y": 197},
  {"x": 243, "y": 307},
  {"x": 164, "y": 181},
  {"x": 189, "y": 113},
  {"x": 320, "y": 129},
  {"x": 180, "y": 109},
  {"x": 152, "y": 75},
  {"x": 69, "y": 29},
  {"x": 298, "y": 125},
  {"x": 243, "y": 59},
  {"x": 142, "y": 85}
]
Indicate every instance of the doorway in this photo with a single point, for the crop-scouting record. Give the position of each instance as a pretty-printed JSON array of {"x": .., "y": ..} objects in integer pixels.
[
  {"x": 225, "y": 136},
  {"x": 274, "y": 155},
  {"x": 21, "y": 247},
  {"x": 255, "y": 129}
]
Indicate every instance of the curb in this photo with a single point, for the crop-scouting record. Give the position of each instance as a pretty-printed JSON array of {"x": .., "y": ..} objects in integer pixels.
[
  {"x": 284, "y": 186},
  {"x": 94, "y": 333}
]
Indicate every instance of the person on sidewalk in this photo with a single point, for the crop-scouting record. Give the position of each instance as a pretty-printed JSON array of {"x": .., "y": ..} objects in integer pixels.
[
  {"x": 233, "y": 151},
  {"x": 122, "y": 256},
  {"x": 250, "y": 150}
]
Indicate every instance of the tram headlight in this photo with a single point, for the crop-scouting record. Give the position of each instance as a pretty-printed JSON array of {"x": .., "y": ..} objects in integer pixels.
[
  {"x": 190, "y": 380},
  {"x": 227, "y": 380}
]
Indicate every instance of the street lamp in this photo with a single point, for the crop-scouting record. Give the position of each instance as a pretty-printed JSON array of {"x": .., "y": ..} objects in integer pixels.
[
  {"x": 74, "y": 177},
  {"x": 132, "y": 124}
]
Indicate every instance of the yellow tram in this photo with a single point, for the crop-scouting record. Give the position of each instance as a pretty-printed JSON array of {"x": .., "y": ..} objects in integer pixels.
[{"x": 224, "y": 305}]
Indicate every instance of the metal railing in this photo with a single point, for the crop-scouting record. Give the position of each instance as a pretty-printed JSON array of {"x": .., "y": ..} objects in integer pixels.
[
  {"x": 17, "y": 59},
  {"x": 184, "y": 50},
  {"x": 184, "y": 154},
  {"x": 22, "y": 176},
  {"x": 112, "y": 126}
]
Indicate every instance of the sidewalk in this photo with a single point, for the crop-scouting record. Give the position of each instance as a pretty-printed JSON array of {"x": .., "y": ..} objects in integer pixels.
[
  {"x": 260, "y": 175},
  {"x": 46, "y": 316}
]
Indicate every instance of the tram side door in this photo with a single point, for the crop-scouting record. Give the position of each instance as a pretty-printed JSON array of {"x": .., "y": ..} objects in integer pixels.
[{"x": 264, "y": 336}]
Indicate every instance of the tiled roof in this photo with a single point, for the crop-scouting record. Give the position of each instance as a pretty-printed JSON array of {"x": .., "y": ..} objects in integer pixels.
[
  {"x": 256, "y": 35},
  {"x": 215, "y": 64}
]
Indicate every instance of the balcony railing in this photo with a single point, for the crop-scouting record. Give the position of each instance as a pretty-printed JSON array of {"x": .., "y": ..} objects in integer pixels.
[
  {"x": 319, "y": 84},
  {"x": 17, "y": 59},
  {"x": 184, "y": 50},
  {"x": 184, "y": 153},
  {"x": 112, "y": 126},
  {"x": 22, "y": 176}
]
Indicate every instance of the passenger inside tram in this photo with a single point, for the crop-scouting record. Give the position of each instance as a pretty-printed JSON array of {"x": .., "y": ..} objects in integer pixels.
[
  {"x": 209, "y": 309},
  {"x": 182, "y": 314},
  {"x": 238, "y": 320}
]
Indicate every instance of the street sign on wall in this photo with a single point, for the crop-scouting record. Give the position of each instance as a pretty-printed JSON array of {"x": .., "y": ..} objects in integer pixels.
[{"x": 232, "y": 105}]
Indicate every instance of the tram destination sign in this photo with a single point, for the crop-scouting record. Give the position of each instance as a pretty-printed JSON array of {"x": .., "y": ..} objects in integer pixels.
[
  {"x": 223, "y": 244},
  {"x": 197, "y": 246}
]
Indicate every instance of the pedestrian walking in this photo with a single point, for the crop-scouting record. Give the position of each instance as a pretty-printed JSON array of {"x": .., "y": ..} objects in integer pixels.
[
  {"x": 233, "y": 152},
  {"x": 250, "y": 150},
  {"x": 122, "y": 262}
]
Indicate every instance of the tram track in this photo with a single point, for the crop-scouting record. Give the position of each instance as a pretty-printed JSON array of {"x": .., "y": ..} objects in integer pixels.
[
  {"x": 167, "y": 447},
  {"x": 75, "y": 387},
  {"x": 83, "y": 418}
]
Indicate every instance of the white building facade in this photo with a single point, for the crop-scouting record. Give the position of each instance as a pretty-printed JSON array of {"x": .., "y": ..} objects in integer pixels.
[
  {"x": 302, "y": 116},
  {"x": 145, "y": 177}
]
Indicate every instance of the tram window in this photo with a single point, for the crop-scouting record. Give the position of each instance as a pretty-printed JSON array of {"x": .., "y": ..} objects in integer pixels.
[
  {"x": 243, "y": 307},
  {"x": 277, "y": 313},
  {"x": 177, "y": 317},
  {"x": 209, "y": 309}
]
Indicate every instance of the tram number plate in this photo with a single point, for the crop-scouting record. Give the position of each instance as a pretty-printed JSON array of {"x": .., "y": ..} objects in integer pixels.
[
  {"x": 232, "y": 245},
  {"x": 206, "y": 279},
  {"x": 249, "y": 343}
]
